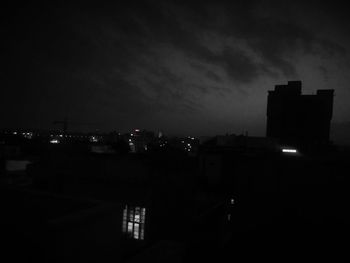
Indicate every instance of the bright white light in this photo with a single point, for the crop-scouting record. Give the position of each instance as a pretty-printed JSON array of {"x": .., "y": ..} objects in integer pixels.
[
  {"x": 289, "y": 150},
  {"x": 232, "y": 201},
  {"x": 54, "y": 141},
  {"x": 137, "y": 130},
  {"x": 14, "y": 133},
  {"x": 61, "y": 135}
]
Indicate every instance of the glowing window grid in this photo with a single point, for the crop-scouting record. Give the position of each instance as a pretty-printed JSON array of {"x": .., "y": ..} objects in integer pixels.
[{"x": 134, "y": 222}]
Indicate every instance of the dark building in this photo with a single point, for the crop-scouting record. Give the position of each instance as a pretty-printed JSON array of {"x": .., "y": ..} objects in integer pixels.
[{"x": 296, "y": 118}]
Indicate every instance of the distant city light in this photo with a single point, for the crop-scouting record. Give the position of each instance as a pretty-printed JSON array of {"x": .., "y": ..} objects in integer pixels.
[
  {"x": 289, "y": 150},
  {"x": 137, "y": 130},
  {"x": 14, "y": 133},
  {"x": 54, "y": 141},
  {"x": 61, "y": 135},
  {"x": 93, "y": 139},
  {"x": 232, "y": 201},
  {"x": 27, "y": 135}
]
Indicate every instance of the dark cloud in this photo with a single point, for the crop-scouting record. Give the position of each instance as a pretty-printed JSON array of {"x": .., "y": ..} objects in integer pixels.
[
  {"x": 324, "y": 72},
  {"x": 212, "y": 75}
]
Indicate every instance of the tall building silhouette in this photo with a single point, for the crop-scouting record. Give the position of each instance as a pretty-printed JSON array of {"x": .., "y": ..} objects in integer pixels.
[{"x": 296, "y": 118}]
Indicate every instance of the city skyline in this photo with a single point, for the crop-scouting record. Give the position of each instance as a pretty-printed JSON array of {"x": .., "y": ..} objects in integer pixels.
[{"x": 182, "y": 68}]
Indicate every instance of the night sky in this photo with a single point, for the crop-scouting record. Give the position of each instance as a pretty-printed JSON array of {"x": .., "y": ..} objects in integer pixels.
[{"x": 182, "y": 67}]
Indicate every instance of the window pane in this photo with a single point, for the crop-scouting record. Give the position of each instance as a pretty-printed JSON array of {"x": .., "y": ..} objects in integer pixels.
[
  {"x": 131, "y": 215},
  {"x": 124, "y": 219},
  {"x": 124, "y": 226},
  {"x": 142, "y": 232},
  {"x": 143, "y": 215},
  {"x": 136, "y": 231},
  {"x": 130, "y": 228},
  {"x": 137, "y": 214}
]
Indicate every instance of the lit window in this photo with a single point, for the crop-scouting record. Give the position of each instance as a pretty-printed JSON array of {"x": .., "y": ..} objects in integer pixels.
[
  {"x": 137, "y": 215},
  {"x": 134, "y": 222},
  {"x": 130, "y": 228},
  {"x": 136, "y": 230}
]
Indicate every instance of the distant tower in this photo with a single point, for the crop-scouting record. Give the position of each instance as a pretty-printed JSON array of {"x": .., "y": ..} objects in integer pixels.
[{"x": 296, "y": 118}]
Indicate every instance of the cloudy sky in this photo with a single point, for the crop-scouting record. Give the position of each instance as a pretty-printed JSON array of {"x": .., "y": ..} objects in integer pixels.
[{"x": 200, "y": 67}]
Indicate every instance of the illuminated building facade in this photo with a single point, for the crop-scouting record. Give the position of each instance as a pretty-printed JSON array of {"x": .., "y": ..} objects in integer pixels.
[{"x": 296, "y": 118}]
